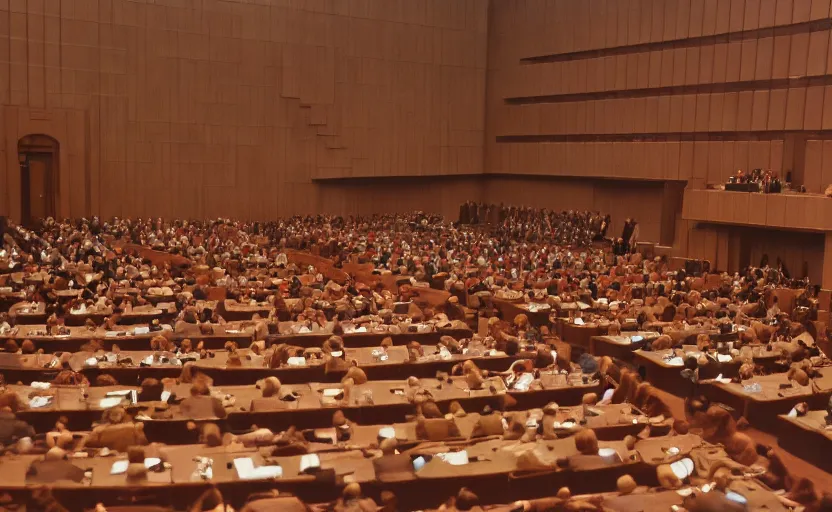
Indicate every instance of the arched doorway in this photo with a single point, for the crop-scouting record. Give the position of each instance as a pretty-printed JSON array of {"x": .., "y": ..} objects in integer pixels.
[{"x": 38, "y": 157}]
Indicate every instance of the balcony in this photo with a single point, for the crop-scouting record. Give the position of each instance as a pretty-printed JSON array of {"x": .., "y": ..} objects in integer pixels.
[{"x": 811, "y": 212}]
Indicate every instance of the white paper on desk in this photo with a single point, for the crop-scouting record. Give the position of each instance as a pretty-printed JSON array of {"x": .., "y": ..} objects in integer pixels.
[
  {"x": 459, "y": 458},
  {"x": 246, "y": 470},
  {"x": 119, "y": 392},
  {"x": 582, "y": 306},
  {"x": 636, "y": 339},
  {"x": 579, "y": 321},
  {"x": 41, "y": 385},
  {"x": 607, "y": 399},
  {"x": 91, "y": 362},
  {"x": 148, "y": 360},
  {"x": 309, "y": 461},
  {"x": 675, "y": 361},
  {"x": 387, "y": 433},
  {"x": 332, "y": 392},
  {"x": 40, "y": 401},
  {"x": 296, "y": 361},
  {"x": 724, "y": 358},
  {"x": 120, "y": 466},
  {"x": 165, "y": 396},
  {"x": 141, "y": 330},
  {"x": 111, "y": 334},
  {"x": 524, "y": 382},
  {"x": 111, "y": 401}
]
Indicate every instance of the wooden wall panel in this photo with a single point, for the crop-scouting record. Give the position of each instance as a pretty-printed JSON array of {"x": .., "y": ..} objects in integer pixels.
[
  {"x": 780, "y": 61},
  {"x": 709, "y": 17},
  {"x": 802, "y": 11},
  {"x": 813, "y": 116},
  {"x": 777, "y": 109},
  {"x": 752, "y": 15},
  {"x": 826, "y": 168},
  {"x": 213, "y": 107},
  {"x": 820, "y": 9},
  {"x": 817, "y": 53},
  {"x": 813, "y": 166},
  {"x": 795, "y": 105},
  {"x": 783, "y": 12},
  {"x": 798, "y": 59}
]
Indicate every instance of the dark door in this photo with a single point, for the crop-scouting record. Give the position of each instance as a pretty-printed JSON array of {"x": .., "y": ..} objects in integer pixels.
[{"x": 38, "y": 194}]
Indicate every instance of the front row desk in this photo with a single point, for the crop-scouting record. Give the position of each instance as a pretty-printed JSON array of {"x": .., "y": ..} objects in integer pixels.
[
  {"x": 422, "y": 476},
  {"x": 426, "y": 471}
]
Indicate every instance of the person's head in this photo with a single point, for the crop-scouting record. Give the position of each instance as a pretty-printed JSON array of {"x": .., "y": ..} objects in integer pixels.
[
  {"x": 200, "y": 388},
  {"x": 11, "y": 401},
  {"x": 152, "y": 386},
  {"x": 28, "y": 347},
  {"x": 105, "y": 379},
  {"x": 115, "y": 416},
  {"x": 271, "y": 386}
]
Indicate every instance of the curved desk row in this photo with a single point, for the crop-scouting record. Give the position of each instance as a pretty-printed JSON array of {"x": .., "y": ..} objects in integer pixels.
[
  {"x": 130, "y": 367},
  {"x": 312, "y": 405},
  {"x": 494, "y": 471}
]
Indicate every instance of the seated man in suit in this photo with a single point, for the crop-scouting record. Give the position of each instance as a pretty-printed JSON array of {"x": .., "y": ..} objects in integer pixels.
[
  {"x": 201, "y": 405},
  {"x": 117, "y": 431},
  {"x": 272, "y": 399},
  {"x": 12, "y": 429}
]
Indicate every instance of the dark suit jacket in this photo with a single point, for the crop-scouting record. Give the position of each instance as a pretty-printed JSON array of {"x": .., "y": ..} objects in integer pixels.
[
  {"x": 12, "y": 428},
  {"x": 50, "y": 471},
  {"x": 202, "y": 407}
]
